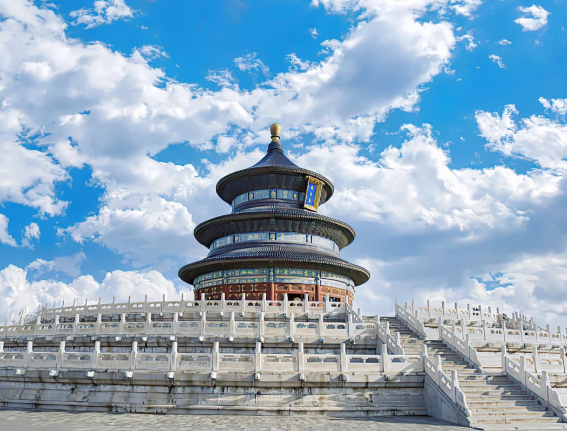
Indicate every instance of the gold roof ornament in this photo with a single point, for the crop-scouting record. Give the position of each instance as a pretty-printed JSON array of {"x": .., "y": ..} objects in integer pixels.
[{"x": 275, "y": 129}]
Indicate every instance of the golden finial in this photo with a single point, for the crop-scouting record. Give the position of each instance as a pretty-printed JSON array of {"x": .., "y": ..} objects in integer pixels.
[{"x": 275, "y": 129}]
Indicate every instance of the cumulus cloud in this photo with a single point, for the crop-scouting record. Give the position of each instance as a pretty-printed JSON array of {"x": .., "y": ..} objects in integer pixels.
[
  {"x": 537, "y": 138},
  {"x": 5, "y": 237},
  {"x": 92, "y": 106},
  {"x": 18, "y": 292},
  {"x": 556, "y": 105},
  {"x": 504, "y": 42},
  {"x": 412, "y": 188},
  {"x": 466, "y": 7},
  {"x": 103, "y": 12},
  {"x": 534, "y": 18},
  {"x": 30, "y": 232},
  {"x": 313, "y": 33}
]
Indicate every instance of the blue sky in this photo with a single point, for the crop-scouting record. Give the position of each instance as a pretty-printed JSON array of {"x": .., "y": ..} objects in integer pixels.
[{"x": 441, "y": 123}]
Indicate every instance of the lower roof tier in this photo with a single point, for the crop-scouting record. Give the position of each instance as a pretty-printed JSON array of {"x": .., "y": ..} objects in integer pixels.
[{"x": 274, "y": 256}]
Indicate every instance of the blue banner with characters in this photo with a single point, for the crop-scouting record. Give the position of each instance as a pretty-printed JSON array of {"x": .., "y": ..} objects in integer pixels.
[{"x": 312, "y": 194}]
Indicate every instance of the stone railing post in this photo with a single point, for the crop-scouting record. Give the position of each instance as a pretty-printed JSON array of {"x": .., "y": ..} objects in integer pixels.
[
  {"x": 440, "y": 327},
  {"x": 258, "y": 357},
  {"x": 285, "y": 305},
  {"x": 535, "y": 356},
  {"x": 232, "y": 326},
  {"x": 76, "y": 324},
  {"x": 562, "y": 350},
  {"x": 328, "y": 308},
  {"x": 134, "y": 355},
  {"x": 350, "y": 326},
  {"x": 262, "y": 324},
  {"x": 173, "y": 356},
  {"x": 96, "y": 354},
  {"x": 523, "y": 370},
  {"x": 385, "y": 360},
  {"x": 503, "y": 354},
  {"x": 263, "y": 303},
  {"x": 175, "y": 322},
  {"x": 203, "y": 324},
  {"x": 344, "y": 360},
  {"x": 439, "y": 369},
  {"x": 148, "y": 326},
  {"x": 1, "y": 346},
  {"x": 306, "y": 303},
  {"x": 29, "y": 351},
  {"x": 300, "y": 359},
  {"x": 222, "y": 304},
  {"x": 60, "y": 355},
  {"x": 123, "y": 323},
  {"x": 455, "y": 385},
  {"x": 243, "y": 304},
  {"x": 98, "y": 325},
  {"x": 320, "y": 326},
  {"x": 292, "y": 325},
  {"x": 216, "y": 357},
  {"x": 202, "y": 304}
]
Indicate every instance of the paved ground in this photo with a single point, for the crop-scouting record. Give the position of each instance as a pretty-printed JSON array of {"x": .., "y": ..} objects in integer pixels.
[{"x": 56, "y": 421}]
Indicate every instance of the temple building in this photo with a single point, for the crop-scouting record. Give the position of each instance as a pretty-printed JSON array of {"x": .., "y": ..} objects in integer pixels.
[{"x": 274, "y": 242}]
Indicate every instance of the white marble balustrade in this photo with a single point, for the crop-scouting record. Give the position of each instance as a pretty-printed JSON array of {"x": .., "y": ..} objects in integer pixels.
[{"x": 296, "y": 362}]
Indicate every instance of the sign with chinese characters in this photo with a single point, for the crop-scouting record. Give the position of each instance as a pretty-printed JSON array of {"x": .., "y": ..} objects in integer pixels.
[{"x": 313, "y": 193}]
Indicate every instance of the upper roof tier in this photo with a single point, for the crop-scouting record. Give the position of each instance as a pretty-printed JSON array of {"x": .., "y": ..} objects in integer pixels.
[{"x": 274, "y": 171}]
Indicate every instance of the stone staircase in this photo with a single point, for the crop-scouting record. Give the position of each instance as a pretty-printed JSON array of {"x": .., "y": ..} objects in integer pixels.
[{"x": 494, "y": 400}]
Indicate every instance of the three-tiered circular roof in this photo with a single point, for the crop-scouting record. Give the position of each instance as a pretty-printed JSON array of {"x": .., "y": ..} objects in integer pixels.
[{"x": 272, "y": 214}]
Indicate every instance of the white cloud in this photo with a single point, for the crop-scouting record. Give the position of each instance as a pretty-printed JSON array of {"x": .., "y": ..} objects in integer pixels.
[
  {"x": 70, "y": 265},
  {"x": 313, "y": 33},
  {"x": 471, "y": 45},
  {"x": 504, "y": 42},
  {"x": 466, "y": 7},
  {"x": 5, "y": 237},
  {"x": 30, "y": 232},
  {"x": 539, "y": 139},
  {"x": 93, "y": 106},
  {"x": 103, "y": 12},
  {"x": 556, "y": 105},
  {"x": 413, "y": 189},
  {"x": 498, "y": 60},
  {"x": 251, "y": 62},
  {"x": 534, "y": 18},
  {"x": 18, "y": 292},
  {"x": 143, "y": 228},
  {"x": 151, "y": 52}
]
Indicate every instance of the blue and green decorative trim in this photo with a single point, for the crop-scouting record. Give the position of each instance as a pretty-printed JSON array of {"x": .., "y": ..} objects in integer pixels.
[
  {"x": 288, "y": 195},
  {"x": 275, "y": 236},
  {"x": 274, "y": 275}
]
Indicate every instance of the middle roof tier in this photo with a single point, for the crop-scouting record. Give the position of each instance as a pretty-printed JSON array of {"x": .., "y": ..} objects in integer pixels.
[{"x": 275, "y": 219}]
